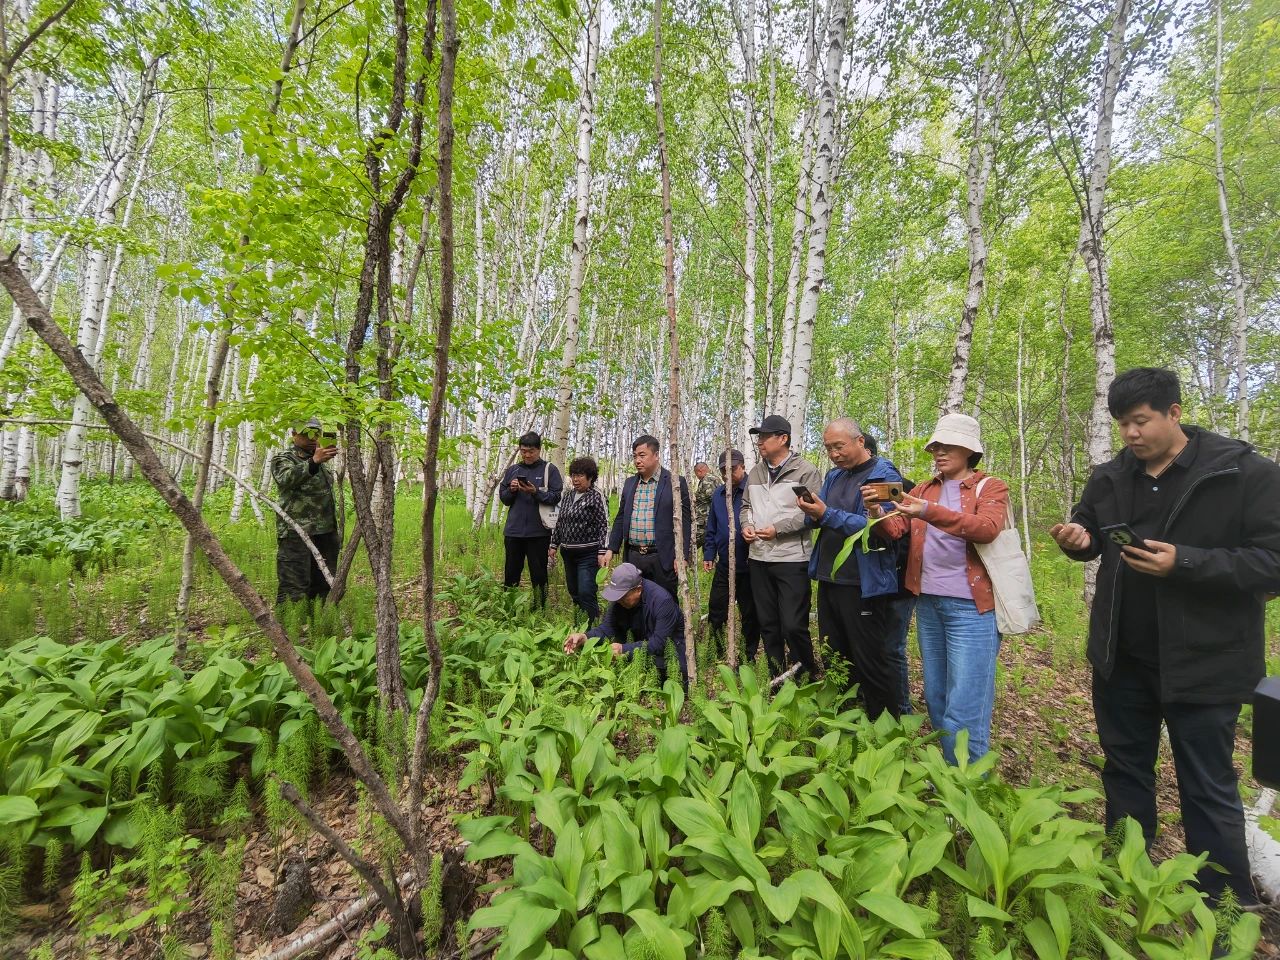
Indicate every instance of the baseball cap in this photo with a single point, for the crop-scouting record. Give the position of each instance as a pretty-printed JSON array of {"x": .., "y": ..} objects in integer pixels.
[
  {"x": 735, "y": 457},
  {"x": 773, "y": 424},
  {"x": 625, "y": 579}
]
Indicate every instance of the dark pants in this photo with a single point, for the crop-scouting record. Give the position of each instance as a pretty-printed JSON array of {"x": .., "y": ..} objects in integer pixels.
[
  {"x": 857, "y": 629},
  {"x": 781, "y": 592},
  {"x": 1129, "y": 711},
  {"x": 651, "y": 568},
  {"x": 534, "y": 550},
  {"x": 297, "y": 573},
  {"x": 900, "y": 611},
  {"x": 718, "y": 605},
  {"x": 580, "y": 568}
]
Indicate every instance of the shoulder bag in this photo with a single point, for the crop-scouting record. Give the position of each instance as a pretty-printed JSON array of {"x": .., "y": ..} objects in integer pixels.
[
  {"x": 548, "y": 513},
  {"x": 1010, "y": 575}
]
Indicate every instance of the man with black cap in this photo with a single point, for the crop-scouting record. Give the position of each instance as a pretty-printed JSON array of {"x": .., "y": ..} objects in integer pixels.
[
  {"x": 305, "y": 486},
  {"x": 774, "y": 526},
  {"x": 715, "y": 554},
  {"x": 642, "y": 616}
]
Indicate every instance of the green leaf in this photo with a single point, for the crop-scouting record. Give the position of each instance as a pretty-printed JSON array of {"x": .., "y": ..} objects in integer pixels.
[
  {"x": 694, "y": 817},
  {"x": 16, "y": 809},
  {"x": 893, "y": 911},
  {"x": 980, "y": 909},
  {"x": 668, "y": 944}
]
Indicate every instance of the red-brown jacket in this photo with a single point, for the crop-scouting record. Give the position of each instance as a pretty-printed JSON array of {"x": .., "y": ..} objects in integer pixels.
[{"x": 977, "y": 521}]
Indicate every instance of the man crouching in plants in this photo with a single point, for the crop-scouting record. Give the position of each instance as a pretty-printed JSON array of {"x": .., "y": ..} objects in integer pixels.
[
  {"x": 643, "y": 611},
  {"x": 1187, "y": 524}
]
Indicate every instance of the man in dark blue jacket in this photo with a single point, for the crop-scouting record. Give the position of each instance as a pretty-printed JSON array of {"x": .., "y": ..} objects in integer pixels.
[
  {"x": 854, "y": 611},
  {"x": 527, "y": 487},
  {"x": 715, "y": 554},
  {"x": 641, "y": 616},
  {"x": 645, "y": 524}
]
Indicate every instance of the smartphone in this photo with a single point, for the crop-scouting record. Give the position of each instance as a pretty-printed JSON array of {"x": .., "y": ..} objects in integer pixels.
[
  {"x": 1122, "y": 534},
  {"x": 887, "y": 492},
  {"x": 802, "y": 492}
]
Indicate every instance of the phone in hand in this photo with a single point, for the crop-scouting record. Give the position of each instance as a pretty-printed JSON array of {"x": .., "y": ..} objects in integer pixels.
[
  {"x": 886, "y": 492},
  {"x": 1122, "y": 534},
  {"x": 802, "y": 492}
]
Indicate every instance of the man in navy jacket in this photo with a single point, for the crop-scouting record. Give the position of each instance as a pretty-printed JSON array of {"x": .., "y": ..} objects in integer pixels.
[
  {"x": 641, "y": 616},
  {"x": 644, "y": 524},
  {"x": 854, "y": 602},
  {"x": 526, "y": 487},
  {"x": 715, "y": 554}
]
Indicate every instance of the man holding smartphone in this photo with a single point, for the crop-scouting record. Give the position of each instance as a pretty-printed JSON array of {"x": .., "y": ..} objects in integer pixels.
[
  {"x": 855, "y": 603},
  {"x": 529, "y": 483},
  {"x": 779, "y": 553},
  {"x": 304, "y": 484},
  {"x": 1177, "y": 626}
]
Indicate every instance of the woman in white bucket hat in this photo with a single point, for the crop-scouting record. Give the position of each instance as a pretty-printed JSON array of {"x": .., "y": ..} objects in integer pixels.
[{"x": 955, "y": 616}]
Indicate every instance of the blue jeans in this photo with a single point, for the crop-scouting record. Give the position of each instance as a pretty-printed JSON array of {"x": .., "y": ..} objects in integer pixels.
[
  {"x": 580, "y": 568},
  {"x": 958, "y": 648},
  {"x": 900, "y": 610}
]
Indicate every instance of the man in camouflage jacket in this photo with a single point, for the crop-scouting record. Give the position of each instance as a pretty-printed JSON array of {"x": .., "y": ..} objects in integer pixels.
[
  {"x": 703, "y": 488},
  {"x": 305, "y": 486}
]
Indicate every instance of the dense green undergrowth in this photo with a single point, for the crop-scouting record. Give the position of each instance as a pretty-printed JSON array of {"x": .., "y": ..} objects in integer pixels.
[{"x": 744, "y": 825}]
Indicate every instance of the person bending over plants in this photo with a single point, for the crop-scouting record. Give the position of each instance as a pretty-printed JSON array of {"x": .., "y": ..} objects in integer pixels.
[{"x": 642, "y": 616}]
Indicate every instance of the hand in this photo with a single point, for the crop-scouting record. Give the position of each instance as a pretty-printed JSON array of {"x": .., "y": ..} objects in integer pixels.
[
  {"x": 749, "y": 534},
  {"x": 514, "y": 485},
  {"x": 766, "y": 533},
  {"x": 1071, "y": 536},
  {"x": 1157, "y": 562},
  {"x": 605, "y": 558},
  {"x": 708, "y": 566},
  {"x": 526, "y": 486},
  {"x": 573, "y": 643},
  {"x": 616, "y": 648},
  {"x": 551, "y": 555},
  {"x": 812, "y": 508},
  {"x": 324, "y": 454},
  {"x": 912, "y": 506}
]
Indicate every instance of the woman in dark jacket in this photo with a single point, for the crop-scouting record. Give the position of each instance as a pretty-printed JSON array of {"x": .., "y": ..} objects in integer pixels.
[{"x": 579, "y": 534}]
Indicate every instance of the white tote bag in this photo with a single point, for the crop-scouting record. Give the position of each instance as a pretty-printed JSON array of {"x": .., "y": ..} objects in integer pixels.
[{"x": 1010, "y": 576}]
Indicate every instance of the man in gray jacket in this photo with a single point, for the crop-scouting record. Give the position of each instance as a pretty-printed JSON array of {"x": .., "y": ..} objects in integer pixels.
[{"x": 774, "y": 526}]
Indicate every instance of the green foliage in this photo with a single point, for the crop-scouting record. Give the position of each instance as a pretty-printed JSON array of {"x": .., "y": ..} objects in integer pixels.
[
  {"x": 13, "y": 870},
  {"x": 433, "y": 907},
  {"x": 786, "y": 825},
  {"x": 220, "y": 876}
]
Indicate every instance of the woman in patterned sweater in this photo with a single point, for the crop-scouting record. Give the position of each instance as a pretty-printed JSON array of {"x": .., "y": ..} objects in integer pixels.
[{"x": 580, "y": 533}]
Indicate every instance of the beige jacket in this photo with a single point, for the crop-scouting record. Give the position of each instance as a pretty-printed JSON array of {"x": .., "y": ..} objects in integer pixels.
[{"x": 773, "y": 504}]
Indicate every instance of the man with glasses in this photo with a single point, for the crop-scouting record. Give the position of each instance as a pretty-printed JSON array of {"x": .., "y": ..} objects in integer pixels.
[
  {"x": 855, "y": 613},
  {"x": 527, "y": 486},
  {"x": 645, "y": 522},
  {"x": 779, "y": 545}
]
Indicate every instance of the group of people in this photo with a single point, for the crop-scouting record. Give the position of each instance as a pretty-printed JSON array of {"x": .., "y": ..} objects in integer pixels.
[{"x": 1185, "y": 524}]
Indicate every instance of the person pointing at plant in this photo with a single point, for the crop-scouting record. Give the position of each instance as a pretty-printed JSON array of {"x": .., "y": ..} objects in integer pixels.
[{"x": 642, "y": 616}]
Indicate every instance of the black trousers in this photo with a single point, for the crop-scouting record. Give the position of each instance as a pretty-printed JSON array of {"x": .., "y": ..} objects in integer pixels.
[
  {"x": 858, "y": 630},
  {"x": 651, "y": 568},
  {"x": 298, "y": 575},
  {"x": 1129, "y": 711},
  {"x": 782, "y": 592},
  {"x": 534, "y": 551},
  {"x": 718, "y": 606}
]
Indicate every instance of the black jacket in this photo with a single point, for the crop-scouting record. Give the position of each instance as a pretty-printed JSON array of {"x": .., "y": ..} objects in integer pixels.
[
  {"x": 524, "y": 519},
  {"x": 663, "y": 519},
  {"x": 1210, "y": 609}
]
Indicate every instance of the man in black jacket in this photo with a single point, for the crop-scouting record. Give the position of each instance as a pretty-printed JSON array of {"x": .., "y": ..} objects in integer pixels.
[
  {"x": 1176, "y": 630},
  {"x": 527, "y": 488},
  {"x": 645, "y": 523}
]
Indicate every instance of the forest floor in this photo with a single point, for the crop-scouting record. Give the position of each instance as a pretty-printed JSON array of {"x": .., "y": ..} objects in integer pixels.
[{"x": 1043, "y": 729}]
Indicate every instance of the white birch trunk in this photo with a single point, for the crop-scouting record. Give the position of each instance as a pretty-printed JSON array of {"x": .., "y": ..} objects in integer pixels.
[
  {"x": 746, "y": 26},
  {"x": 800, "y": 219},
  {"x": 578, "y": 255},
  {"x": 820, "y": 204},
  {"x": 1091, "y": 235},
  {"x": 96, "y": 284},
  {"x": 1240, "y": 326}
]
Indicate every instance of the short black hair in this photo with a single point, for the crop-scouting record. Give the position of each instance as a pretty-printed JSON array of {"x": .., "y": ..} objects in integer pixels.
[
  {"x": 1150, "y": 385},
  {"x": 531, "y": 439},
  {"x": 645, "y": 440},
  {"x": 869, "y": 442},
  {"x": 585, "y": 466},
  {"x": 975, "y": 458}
]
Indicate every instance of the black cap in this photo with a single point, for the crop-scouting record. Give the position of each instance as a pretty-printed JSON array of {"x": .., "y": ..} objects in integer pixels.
[
  {"x": 735, "y": 456},
  {"x": 773, "y": 424}
]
